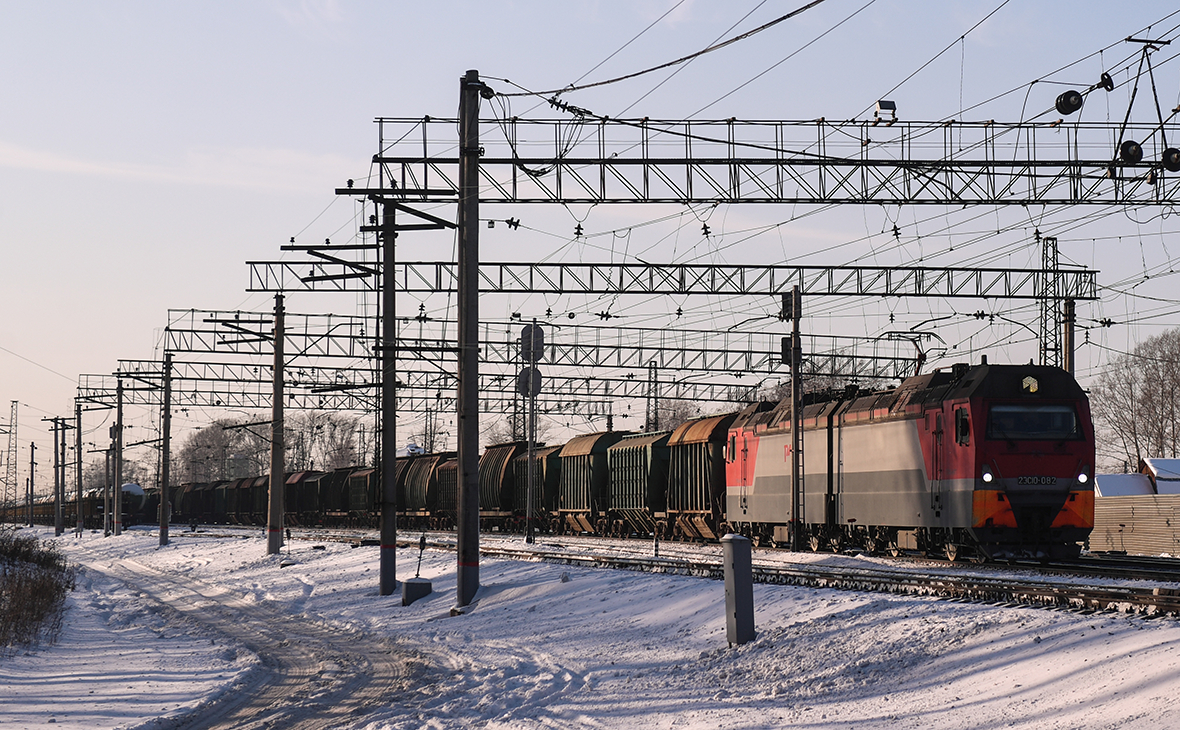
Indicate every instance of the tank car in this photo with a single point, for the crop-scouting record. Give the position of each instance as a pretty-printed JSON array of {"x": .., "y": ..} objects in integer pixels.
[{"x": 994, "y": 461}]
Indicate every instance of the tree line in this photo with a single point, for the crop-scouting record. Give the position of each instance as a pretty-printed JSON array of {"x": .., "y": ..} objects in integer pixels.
[{"x": 1135, "y": 403}]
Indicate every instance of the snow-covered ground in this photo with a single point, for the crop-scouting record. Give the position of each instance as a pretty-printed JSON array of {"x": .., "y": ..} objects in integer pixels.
[{"x": 550, "y": 646}]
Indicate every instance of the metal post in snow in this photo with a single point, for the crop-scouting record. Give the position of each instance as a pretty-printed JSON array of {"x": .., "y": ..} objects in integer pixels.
[
  {"x": 78, "y": 467},
  {"x": 388, "y": 559},
  {"x": 274, "y": 511},
  {"x": 166, "y": 451},
  {"x": 467, "y": 582},
  {"x": 118, "y": 459}
]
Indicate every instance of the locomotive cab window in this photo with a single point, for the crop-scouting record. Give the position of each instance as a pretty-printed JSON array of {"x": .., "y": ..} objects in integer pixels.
[
  {"x": 1031, "y": 422},
  {"x": 731, "y": 452},
  {"x": 962, "y": 427}
]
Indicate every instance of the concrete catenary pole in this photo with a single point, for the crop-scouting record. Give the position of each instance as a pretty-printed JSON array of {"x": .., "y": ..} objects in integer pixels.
[
  {"x": 78, "y": 465},
  {"x": 118, "y": 458},
  {"x": 274, "y": 519},
  {"x": 796, "y": 421},
  {"x": 468, "y": 301},
  {"x": 166, "y": 452},
  {"x": 32, "y": 477},
  {"x": 59, "y": 475},
  {"x": 56, "y": 481},
  {"x": 106, "y": 493},
  {"x": 1069, "y": 317},
  {"x": 532, "y": 437},
  {"x": 388, "y": 559}
]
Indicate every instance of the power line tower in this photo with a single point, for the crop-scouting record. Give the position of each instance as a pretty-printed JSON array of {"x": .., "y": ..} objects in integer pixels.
[
  {"x": 10, "y": 485},
  {"x": 1050, "y": 301}
]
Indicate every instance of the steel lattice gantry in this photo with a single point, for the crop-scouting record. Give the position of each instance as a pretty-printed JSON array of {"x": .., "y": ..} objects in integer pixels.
[
  {"x": 685, "y": 279},
  {"x": 223, "y": 384},
  {"x": 329, "y": 336},
  {"x": 594, "y": 160}
]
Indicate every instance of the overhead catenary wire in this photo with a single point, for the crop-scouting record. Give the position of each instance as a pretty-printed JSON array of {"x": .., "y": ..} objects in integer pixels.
[{"x": 669, "y": 64}]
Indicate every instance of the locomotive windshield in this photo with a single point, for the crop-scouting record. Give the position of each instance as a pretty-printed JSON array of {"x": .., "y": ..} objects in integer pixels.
[{"x": 1026, "y": 422}]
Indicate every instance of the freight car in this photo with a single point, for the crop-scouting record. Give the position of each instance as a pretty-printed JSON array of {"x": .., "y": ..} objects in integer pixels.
[
  {"x": 44, "y": 509},
  {"x": 986, "y": 461},
  {"x": 995, "y": 461}
]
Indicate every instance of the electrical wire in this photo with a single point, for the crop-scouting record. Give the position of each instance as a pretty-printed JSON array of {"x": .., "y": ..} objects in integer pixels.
[
  {"x": 786, "y": 58},
  {"x": 684, "y": 59},
  {"x": 34, "y": 362}
]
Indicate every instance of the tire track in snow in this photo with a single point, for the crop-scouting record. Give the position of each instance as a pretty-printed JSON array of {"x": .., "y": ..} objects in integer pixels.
[{"x": 315, "y": 675}]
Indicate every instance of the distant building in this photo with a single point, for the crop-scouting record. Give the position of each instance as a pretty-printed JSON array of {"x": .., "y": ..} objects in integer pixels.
[
  {"x": 1163, "y": 473},
  {"x": 1122, "y": 485}
]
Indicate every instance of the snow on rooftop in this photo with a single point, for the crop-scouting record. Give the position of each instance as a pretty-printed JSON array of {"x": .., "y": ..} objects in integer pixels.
[
  {"x": 1122, "y": 485},
  {"x": 1164, "y": 469}
]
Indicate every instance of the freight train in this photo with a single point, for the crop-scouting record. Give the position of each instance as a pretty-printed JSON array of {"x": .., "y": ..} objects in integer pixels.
[
  {"x": 134, "y": 506},
  {"x": 984, "y": 461}
]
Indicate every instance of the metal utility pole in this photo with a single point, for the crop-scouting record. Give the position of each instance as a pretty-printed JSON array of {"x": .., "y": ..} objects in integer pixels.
[
  {"x": 106, "y": 493},
  {"x": 165, "y": 472},
  {"x": 11, "y": 488},
  {"x": 274, "y": 519},
  {"x": 118, "y": 458},
  {"x": 1051, "y": 294},
  {"x": 165, "y": 452},
  {"x": 59, "y": 471},
  {"x": 56, "y": 481},
  {"x": 468, "y": 299},
  {"x": 1069, "y": 317},
  {"x": 32, "y": 476},
  {"x": 652, "y": 422},
  {"x": 388, "y": 558},
  {"x": 59, "y": 524},
  {"x": 78, "y": 467},
  {"x": 796, "y": 422},
  {"x": 532, "y": 346}
]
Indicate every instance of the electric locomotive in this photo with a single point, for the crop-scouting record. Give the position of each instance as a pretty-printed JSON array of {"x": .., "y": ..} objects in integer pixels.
[{"x": 990, "y": 461}]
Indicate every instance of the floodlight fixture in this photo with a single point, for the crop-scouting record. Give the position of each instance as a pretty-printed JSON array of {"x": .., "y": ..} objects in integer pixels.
[{"x": 884, "y": 105}]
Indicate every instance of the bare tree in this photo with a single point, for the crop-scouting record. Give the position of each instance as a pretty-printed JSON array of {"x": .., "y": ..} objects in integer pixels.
[
  {"x": 226, "y": 449},
  {"x": 1136, "y": 402},
  {"x": 326, "y": 440},
  {"x": 813, "y": 384},
  {"x": 672, "y": 413},
  {"x": 501, "y": 428}
]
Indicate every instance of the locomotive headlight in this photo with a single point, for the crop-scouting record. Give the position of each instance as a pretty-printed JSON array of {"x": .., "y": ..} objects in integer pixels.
[
  {"x": 987, "y": 475},
  {"x": 1083, "y": 477}
]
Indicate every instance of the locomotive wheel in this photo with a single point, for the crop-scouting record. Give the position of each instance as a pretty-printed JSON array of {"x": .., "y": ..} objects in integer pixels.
[
  {"x": 813, "y": 543},
  {"x": 893, "y": 549},
  {"x": 952, "y": 552},
  {"x": 871, "y": 546}
]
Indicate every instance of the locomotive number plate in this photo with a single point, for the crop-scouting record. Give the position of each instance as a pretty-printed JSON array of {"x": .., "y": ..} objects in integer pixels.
[{"x": 1037, "y": 481}]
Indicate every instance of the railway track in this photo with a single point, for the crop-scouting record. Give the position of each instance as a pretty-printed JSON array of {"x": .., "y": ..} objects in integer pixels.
[
  {"x": 1007, "y": 590},
  {"x": 914, "y": 577}
]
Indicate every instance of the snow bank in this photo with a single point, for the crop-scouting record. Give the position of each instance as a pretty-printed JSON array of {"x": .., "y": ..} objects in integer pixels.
[{"x": 547, "y": 646}]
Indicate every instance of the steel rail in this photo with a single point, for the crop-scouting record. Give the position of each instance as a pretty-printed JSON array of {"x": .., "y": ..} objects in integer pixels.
[
  {"x": 1127, "y": 599},
  {"x": 1004, "y": 590}
]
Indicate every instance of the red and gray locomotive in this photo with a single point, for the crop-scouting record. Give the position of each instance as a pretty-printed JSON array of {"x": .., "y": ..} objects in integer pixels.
[{"x": 993, "y": 461}]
